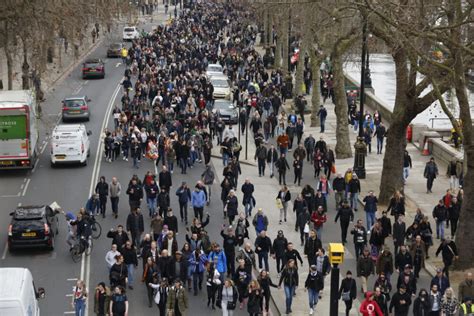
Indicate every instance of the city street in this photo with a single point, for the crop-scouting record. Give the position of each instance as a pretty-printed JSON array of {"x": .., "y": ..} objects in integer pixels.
[{"x": 71, "y": 186}]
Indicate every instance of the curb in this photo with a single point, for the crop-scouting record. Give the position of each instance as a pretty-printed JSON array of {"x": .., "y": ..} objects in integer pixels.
[{"x": 67, "y": 71}]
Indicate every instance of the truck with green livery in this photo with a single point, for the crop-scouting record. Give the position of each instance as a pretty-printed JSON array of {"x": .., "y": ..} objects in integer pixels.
[{"x": 18, "y": 129}]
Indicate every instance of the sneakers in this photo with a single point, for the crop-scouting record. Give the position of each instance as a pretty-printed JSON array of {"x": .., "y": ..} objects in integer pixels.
[{"x": 311, "y": 311}]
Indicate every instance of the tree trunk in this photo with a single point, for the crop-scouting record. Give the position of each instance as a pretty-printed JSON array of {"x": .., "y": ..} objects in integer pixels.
[
  {"x": 25, "y": 69},
  {"x": 343, "y": 144},
  {"x": 392, "y": 172},
  {"x": 284, "y": 40},
  {"x": 279, "y": 39},
  {"x": 299, "y": 80},
  {"x": 464, "y": 233},
  {"x": 265, "y": 27}
]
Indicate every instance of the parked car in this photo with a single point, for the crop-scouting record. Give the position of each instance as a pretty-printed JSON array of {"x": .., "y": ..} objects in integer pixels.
[
  {"x": 32, "y": 226},
  {"x": 75, "y": 108},
  {"x": 130, "y": 33},
  {"x": 221, "y": 87},
  {"x": 115, "y": 50},
  {"x": 93, "y": 68},
  {"x": 226, "y": 110}
]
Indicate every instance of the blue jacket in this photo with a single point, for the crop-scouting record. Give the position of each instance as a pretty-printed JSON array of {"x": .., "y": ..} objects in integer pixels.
[
  {"x": 92, "y": 205},
  {"x": 198, "y": 198},
  {"x": 197, "y": 265},
  {"x": 221, "y": 264}
]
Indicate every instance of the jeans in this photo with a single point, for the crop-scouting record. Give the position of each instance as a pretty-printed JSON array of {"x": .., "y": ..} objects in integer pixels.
[
  {"x": 103, "y": 204},
  {"x": 170, "y": 165},
  {"x": 198, "y": 212},
  {"x": 271, "y": 166},
  {"x": 322, "y": 121},
  {"x": 151, "y": 202},
  {"x": 114, "y": 202},
  {"x": 359, "y": 248},
  {"x": 379, "y": 145},
  {"x": 370, "y": 218},
  {"x": 131, "y": 269},
  {"x": 183, "y": 163},
  {"x": 339, "y": 196},
  {"x": 183, "y": 211},
  {"x": 283, "y": 211},
  {"x": 248, "y": 209},
  {"x": 225, "y": 159},
  {"x": 197, "y": 281},
  {"x": 289, "y": 293},
  {"x": 263, "y": 257},
  {"x": 261, "y": 166},
  {"x": 193, "y": 156},
  {"x": 354, "y": 200},
  {"x": 80, "y": 307},
  {"x": 440, "y": 229},
  {"x": 406, "y": 173},
  {"x": 313, "y": 297},
  {"x": 429, "y": 182},
  {"x": 135, "y": 162},
  {"x": 319, "y": 231}
]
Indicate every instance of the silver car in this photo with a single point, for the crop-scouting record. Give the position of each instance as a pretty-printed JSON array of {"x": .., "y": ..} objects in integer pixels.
[{"x": 75, "y": 108}]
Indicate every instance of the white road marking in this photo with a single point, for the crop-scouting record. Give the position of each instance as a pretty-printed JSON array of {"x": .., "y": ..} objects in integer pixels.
[
  {"x": 73, "y": 312},
  {"x": 71, "y": 279},
  {"x": 69, "y": 295},
  {"x": 9, "y": 196},
  {"x": 117, "y": 65},
  {"x": 5, "y": 251},
  {"x": 34, "y": 167},
  {"x": 22, "y": 186},
  {"x": 78, "y": 90},
  {"x": 86, "y": 260}
]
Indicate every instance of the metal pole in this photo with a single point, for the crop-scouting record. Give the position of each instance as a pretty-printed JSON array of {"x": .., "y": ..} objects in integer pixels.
[
  {"x": 334, "y": 294},
  {"x": 360, "y": 145},
  {"x": 246, "y": 139},
  {"x": 362, "y": 79},
  {"x": 238, "y": 107}
]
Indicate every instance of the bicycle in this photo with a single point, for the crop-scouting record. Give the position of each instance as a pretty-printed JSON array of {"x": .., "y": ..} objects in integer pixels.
[
  {"x": 95, "y": 228},
  {"x": 81, "y": 246}
]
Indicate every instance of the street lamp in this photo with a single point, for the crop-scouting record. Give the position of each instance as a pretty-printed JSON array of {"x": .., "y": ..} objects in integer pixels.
[
  {"x": 367, "y": 77},
  {"x": 360, "y": 145},
  {"x": 336, "y": 257}
]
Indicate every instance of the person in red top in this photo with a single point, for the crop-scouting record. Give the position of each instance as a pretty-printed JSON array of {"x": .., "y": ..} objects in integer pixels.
[
  {"x": 369, "y": 307},
  {"x": 283, "y": 141},
  {"x": 319, "y": 218}
]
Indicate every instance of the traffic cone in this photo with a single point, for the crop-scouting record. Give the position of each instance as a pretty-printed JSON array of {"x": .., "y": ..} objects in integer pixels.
[{"x": 425, "y": 151}]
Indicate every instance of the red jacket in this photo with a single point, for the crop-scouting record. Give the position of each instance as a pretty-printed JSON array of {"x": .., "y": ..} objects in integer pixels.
[
  {"x": 370, "y": 308},
  {"x": 318, "y": 219}
]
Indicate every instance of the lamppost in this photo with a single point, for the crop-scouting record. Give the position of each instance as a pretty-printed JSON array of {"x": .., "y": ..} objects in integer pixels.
[
  {"x": 289, "y": 40},
  {"x": 360, "y": 145}
]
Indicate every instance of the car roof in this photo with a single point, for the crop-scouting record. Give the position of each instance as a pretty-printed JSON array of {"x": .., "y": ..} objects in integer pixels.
[
  {"x": 214, "y": 65},
  {"x": 29, "y": 212},
  {"x": 93, "y": 61},
  {"x": 79, "y": 97},
  {"x": 68, "y": 128},
  {"x": 13, "y": 280},
  {"x": 116, "y": 44},
  {"x": 222, "y": 102}
]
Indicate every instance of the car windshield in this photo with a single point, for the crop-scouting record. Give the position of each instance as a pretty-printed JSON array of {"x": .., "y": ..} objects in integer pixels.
[
  {"x": 74, "y": 103},
  {"x": 214, "y": 69},
  {"x": 220, "y": 83},
  {"x": 129, "y": 29},
  {"x": 223, "y": 105},
  {"x": 115, "y": 46},
  {"x": 92, "y": 64}
]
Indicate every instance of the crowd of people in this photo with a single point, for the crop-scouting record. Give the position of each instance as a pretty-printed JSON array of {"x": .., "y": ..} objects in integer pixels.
[{"x": 166, "y": 115}]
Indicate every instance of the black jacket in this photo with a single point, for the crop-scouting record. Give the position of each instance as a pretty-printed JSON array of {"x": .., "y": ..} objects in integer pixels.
[
  {"x": 282, "y": 164},
  {"x": 311, "y": 246},
  {"x": 102, "y": 188},
  {"x": 399, "y": 230},
  {"x": 402, "y": 259},
  {"x": 264, "y": 243},
  {"x": 118, "y": 239},
  {"x": 272, "y": 155},
  {"x": 339, "y": 184},
  {"x": 165, "y": 180},
  {"x": 279, "y": 246},
  {"x": 440, "y": 213},
  {"x": 400, "y": 309},
  {"x": 360, "y": 235},
  {"x": 314, "y": 281},
  {"x": 135, "y": 192},
  {"x": 348, "y": 285},
  {"x": 345, "y": 214},
  {"x": 135, "y": 223},
  {"x": 289, "y": 277}
]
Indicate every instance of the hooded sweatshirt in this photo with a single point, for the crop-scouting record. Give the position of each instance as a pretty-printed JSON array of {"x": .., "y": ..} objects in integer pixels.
[{"x": 370, "y": 308}]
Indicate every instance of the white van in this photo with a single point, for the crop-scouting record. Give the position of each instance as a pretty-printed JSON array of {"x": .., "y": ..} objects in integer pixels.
[
  {"x": 18, "y": 295},
  {"x": 70, "y": 144},
  {"x": 130, "y": 33}
]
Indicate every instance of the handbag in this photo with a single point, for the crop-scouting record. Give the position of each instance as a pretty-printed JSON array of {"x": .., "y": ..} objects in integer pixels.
[
  {"x": 230, "y": 306},
  {"x": 346, "y": 296}
]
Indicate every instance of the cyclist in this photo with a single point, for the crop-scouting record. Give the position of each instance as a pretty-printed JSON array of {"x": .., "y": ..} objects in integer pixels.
[
  {"x": 84, "y": 229},
  {"x": 71, "y": 221}
]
